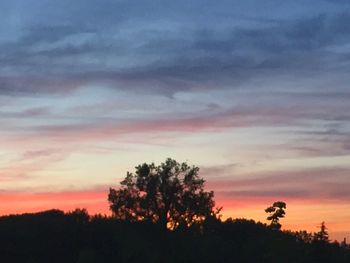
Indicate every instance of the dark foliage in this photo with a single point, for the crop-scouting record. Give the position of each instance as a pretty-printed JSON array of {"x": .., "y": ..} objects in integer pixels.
[
  {"x": 170, "y": 194},
  {"x": 53, "y": 236},
  {"x": 276, "y": 212}
]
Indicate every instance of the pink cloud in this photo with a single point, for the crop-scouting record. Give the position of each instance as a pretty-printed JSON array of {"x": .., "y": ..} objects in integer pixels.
[
  {"x": 330, "y": 185},
  {"x": 111, "y": 129},
  {"x": 30, "y": 162}
]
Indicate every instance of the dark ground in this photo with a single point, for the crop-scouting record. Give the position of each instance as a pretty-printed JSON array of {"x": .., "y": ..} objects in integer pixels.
[{"x": 53, "y": 236}]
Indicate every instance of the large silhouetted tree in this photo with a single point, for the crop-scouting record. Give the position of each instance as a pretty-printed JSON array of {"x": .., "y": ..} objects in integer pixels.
[
  {"x": 276, "y": 212},
  {"x": 170, "y": 194}
]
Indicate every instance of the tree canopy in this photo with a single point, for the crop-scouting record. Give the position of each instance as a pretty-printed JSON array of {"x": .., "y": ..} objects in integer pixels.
[
  {"x": 276, "y": 212},
  {"x": 170, "y": 194},
  {"x": 77, "y": 237}
]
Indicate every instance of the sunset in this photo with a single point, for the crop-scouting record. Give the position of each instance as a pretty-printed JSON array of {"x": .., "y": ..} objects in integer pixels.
[{"x": 254, "y": 93}]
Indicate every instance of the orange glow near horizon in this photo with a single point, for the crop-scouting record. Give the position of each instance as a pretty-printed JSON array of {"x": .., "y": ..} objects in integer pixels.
[
  {"x": 299, "y": 216},
  {"x": 94, "y": 202}
]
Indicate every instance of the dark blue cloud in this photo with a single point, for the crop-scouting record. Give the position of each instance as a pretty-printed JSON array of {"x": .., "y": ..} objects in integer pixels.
[
  {"x": 173, "y": 55},
  {"x": 298, "y": 54}
]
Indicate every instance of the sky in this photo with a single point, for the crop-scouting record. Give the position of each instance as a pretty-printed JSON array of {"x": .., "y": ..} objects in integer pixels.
[{"x": 255, "y": 93}]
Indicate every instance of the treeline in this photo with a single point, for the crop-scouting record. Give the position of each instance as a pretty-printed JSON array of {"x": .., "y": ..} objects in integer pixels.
[{"x": 54, "y": 236}]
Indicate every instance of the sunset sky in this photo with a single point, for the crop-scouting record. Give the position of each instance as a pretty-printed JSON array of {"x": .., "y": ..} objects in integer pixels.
[{"x": 255, "y": 93}]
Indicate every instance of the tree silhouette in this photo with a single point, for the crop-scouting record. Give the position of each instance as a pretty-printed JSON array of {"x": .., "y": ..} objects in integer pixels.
[
  {"x": 304, "y": 236},
  {"x": 78, "y": 237},
  {"x": 170, "y": 194},
  {"x": 322, "y": 235},
  {"x": 276, "y": 212}
]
